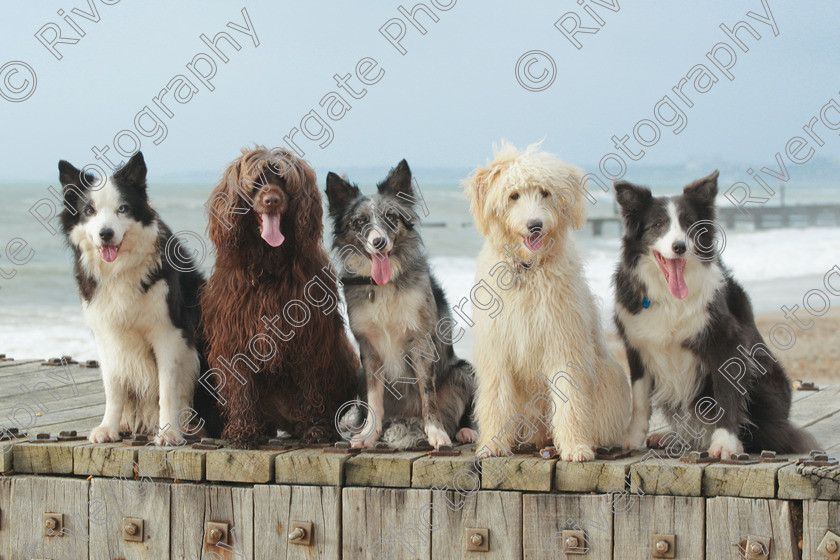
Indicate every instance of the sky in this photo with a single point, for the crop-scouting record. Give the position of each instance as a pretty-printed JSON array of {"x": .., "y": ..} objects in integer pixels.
[{"x": 441, "y": 104}]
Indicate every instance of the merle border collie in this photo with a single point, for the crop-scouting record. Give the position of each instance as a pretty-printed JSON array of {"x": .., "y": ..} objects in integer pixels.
[
  {"x": 692, "y": 344},
  {"x": 141, "y": 305},
  {"x": 400, "y": 318}
]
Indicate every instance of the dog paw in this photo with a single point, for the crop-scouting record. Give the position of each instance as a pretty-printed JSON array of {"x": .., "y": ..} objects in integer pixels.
[
  {"x": 654, "y": 441},
  {"x": 367, "y": 438},
  {"x": 437, "y": 437},
  {"x": 466, "y": 435},
  {"x": 104, "y": 434},
  {"x": 577, "y": 453},
  {"x": 725, "y": 444},
  {"x": 316, "y": 434},
  {"x": 169, "y": 437}
]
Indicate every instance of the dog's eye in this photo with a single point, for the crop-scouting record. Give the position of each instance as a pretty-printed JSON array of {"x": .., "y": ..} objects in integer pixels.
[
  {"x": 545, "y": 194},
  {"x": 359, "y": 222},
  {"x": 514, "y": 196},
  {"x": 89, "y": 211},
  {"x": 392, "y": 217},
  {"x": 658, "y": 225},
  {"x": 122, "y": 209}
]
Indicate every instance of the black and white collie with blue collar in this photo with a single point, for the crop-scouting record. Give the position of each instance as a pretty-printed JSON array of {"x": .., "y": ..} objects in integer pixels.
[
  {"x": 141, "y": 306},
  {"x": 682, "y": 318}
]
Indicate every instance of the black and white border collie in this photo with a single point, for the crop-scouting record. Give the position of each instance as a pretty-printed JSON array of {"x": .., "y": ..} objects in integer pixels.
[
  {"x": 141, "y": 306},
  {"x": 683, "y": 318}
]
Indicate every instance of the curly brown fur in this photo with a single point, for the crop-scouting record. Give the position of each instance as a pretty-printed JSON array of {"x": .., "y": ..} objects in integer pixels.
[{"x": 300, "y": 386}]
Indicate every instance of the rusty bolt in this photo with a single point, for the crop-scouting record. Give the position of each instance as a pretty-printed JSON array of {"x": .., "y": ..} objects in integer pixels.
[
  {"x": 131, "y": 529},
  {"x": 67, "y": 433},
  {"x": 662, "y": 546},
  {"x": 476, "y": 539},
  {"x": 831, "y": 546},
  {"x": 572, "y": 542},
  {"x": 298, "y": 534},
  {"x": 768, "y": 454},
  {"x": 215, "y": 535},
  {"x": 51, "y": 523},
  {"x": 42, "y": 435},
  {"x": 756, "y": 549}
]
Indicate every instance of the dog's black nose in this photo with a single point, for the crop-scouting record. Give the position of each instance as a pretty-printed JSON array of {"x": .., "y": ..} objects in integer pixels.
[
  {"x": 106, "y": 234},
  {"x": 379, "y": 243},
  {"x": 678, "y": 247},
  {"x": 271, "y": 200},
  {"x": 534, "y": 226}
]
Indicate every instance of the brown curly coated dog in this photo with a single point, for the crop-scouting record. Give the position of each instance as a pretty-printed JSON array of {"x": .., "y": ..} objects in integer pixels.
[{"x": 269, "y": 311}]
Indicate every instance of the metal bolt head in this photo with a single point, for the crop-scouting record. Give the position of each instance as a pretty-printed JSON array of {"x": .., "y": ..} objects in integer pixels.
[
  {"x": 572, "y": 542},
  {"x": 51, "y": 523},
  {"x": 476, "y": 539},
  {"x": 662, "y": 546},
  {"x": 131, "y": 529},
  {"x": 756, "y": 548},
  {"x": 832, "y": 546},
  {"x": 215, "y": 534}
]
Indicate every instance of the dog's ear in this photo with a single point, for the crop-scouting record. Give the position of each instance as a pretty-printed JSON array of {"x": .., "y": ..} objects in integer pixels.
[
  {"x": 632, "y": 199},
  {"x": 703, "y": 190},
  {"x": 225, "y": 209},
  {"x": 133, "y": 173},
  {"x": 306, "y": 209},
  {"x": 68, "y": 174},
  {"x": 339, "y": 194},
  {"x": 397, "y": 181},
  {"x": 565, "y": 198},
  {"x": 476, "y": 187}
]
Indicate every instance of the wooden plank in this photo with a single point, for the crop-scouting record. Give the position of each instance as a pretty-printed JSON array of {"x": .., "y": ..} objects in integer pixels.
[
  {"x": 817, "y": 519},
  {"x": 655, "y": 474},
  {"x": 104, "y": 459},
  {"x": 381, "y": 470},
  {"x": 44, "y": 458},
  {"x": 5, "y": 517},
  {"x": 454, "y": 513},
  {"x": 178, "y": 463},
  {"x": 730, "y": 521},
  {"x": 6, "y": 456},
  {"x": 821, "y": 404},
  {"x": 808, "y": 483},
  {"x": 310, "y": 466},
  {"x": 47, "y": 387},
  {"x": 240, "y": 465},
  {"x": 193, "y": 506},
  {"x": 522, "y": 472},
  {"x": 593, "y": 476},
  {"x": 638, "y": 518},
  {"x": 276, "y": 507},
  {"x": 447, "y": 472},
  {"x": 82, "y": 424},
  {"x": 112, "y": 500},
  {"x": 385, "y": 523},
  {"x": 546, "y": 516},
  {"x": 17, "y": 363},
  {"x": 34, "y": 496},
  {"x": 746, "y": 481}
]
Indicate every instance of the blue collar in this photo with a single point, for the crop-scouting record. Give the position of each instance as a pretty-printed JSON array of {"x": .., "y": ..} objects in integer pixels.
[{"x": 645, "y": 302}]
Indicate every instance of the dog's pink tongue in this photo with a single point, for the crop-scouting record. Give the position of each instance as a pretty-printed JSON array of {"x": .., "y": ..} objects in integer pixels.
[
  {"x": 676, "y": 281},
  {"x": 380, "y": 269},
  {"x": 533, "y": 241},
  {"x": 271, "y": 230},
  {"x": 109, "y": 253}
]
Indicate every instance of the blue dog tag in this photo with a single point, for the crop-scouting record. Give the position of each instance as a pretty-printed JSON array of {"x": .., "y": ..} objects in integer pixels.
[{"x": 645, "y": 302}]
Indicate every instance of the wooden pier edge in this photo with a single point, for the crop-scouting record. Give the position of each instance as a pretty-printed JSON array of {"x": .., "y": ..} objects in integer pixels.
[{"x": 75, "y": 500}]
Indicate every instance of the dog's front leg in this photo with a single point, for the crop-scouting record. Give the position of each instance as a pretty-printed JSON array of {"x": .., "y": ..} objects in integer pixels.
[
  {"x": 495, "y": 405},
  {"x": 115, "y": 397},
  {"x": 376, "y": 411},
  {"x": 178, "y": 367},
  {"x": 435, "y": 432},
  {"x": 642, "y": 384}
]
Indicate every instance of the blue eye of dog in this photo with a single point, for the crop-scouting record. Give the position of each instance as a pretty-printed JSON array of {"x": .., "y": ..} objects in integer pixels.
[
  {"x": 89, "y": 211},
  {"x": 659, "y": 225},
  {"x": 122, "y": 209},
  {"x": 514, "y": 196}
]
